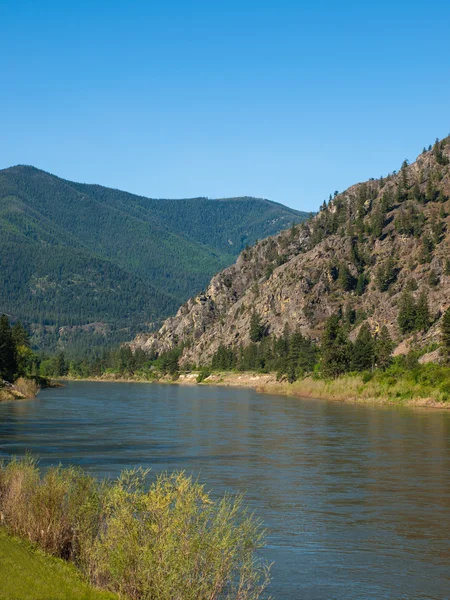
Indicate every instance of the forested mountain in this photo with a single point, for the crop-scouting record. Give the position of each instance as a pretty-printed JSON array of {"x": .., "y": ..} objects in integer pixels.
[
  {"x": 378, "y": 253},
  {"x": 84, "y": 264}
]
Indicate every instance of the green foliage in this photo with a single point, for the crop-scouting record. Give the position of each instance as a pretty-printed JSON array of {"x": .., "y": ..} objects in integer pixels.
[
  {"x": 224, "y": 359},
  {"x": 203, "y": 374},
  {"x": 363, "y": 351},
  {"x": 445, "y": 334},
  {"x": 8, "y": 351},
  {"x": 440, "y": 157},
  {"x": 345, "y": 279},
  {"x": 74, "y": 254},
  {"x": 427, "y": 249},
  {"x": 433, "y": 279},
  {"x": 335, "y": 349},
  {"x": 412, "y": 315},
  {"x": 257, "y": 329},
  {"x": 169, "y": 361},
  {"x": 410, "y": 221},
  {"x": 27, "y": 573},
  {"x": 386, "y": 274},
  {"x": 361, "y": 283},
  {"x": 406, "y": 313},
  {"x": 383, "y": 349},
  {"x": 165, "y": 539}
]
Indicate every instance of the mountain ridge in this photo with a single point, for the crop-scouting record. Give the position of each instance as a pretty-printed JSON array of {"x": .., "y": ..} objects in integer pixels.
[
  {"x": 367, "y": 246},
  {"x": 69, "y": 251}
]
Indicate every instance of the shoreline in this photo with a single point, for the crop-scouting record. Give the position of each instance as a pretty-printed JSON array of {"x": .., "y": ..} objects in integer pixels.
[{"x": 347, "y": 389}]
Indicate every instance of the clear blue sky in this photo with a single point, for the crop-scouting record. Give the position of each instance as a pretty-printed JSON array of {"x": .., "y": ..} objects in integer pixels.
[{"x": 287, "y": 100}]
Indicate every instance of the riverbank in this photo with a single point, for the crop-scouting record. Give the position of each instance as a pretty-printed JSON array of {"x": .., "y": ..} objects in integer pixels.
[
  {"x": 24, "y": 388},
  {"x": 138, "y": 537},
  {"x": 398, "y": 390},
  {"x": 28, "y": 573}
]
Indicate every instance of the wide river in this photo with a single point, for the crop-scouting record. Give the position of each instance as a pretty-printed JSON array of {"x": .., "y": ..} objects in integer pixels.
[{"x": 356, "y": 499}]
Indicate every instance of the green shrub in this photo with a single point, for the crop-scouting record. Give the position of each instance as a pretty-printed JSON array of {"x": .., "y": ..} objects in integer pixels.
[
  {"x": 204, "y": 374},
  {"x": 367, "y": 376},
  {"x": 165, "y": 540}
]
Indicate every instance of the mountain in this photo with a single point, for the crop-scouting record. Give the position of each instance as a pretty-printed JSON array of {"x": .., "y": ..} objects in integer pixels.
[
  {"x": 375, "y": 252},
  {"x": 84, "y": 264}
]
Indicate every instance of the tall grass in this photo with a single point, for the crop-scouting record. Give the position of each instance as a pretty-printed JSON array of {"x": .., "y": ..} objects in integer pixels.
[
  {"x": 27, "y": 387},
  {"x": 167, "y": 540},
  {"x": 427, "y": 384}
]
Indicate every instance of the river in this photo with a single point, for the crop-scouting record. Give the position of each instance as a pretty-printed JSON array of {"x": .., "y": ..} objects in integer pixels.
[{"x": 356, "y": 499}]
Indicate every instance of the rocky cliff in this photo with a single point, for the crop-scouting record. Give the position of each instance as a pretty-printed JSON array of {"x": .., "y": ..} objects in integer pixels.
[{"x": 358, "y": 254}]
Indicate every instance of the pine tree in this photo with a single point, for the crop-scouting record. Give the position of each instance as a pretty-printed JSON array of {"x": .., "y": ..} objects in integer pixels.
[
  {"x": 335, "y": 349},
  {"x": 383, "y": 349},
  {"x": 61, "y": 366},
  {"x": 447, "y": 267},
  {"x": 361, "y": 284},
  {"x": 8, "y": 357},
  {"x": 257, "y": 330},
  {"x": 445, "y": 333},
  {"x": 346, "y": 279},
  {"x": 406, "y": 313},
  {"x": 386, "y": 274},
  {"x": 422, "y": 321},
  {"x": 20, "y": 335},
  {"x": 363, "y": 352}
]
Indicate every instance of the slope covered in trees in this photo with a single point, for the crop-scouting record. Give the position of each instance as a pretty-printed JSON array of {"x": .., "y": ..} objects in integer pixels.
[
  {"x": 376, "y": 257},
  {"x": 81, "y": 264}
]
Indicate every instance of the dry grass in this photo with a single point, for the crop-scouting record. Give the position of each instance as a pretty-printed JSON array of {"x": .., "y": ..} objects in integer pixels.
[
  {"x": 29, "y": 388},
  {"x": 167, "y": 540}
]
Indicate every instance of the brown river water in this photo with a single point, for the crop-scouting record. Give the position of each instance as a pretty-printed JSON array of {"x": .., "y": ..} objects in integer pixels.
[{"x": 356, "y": 499}]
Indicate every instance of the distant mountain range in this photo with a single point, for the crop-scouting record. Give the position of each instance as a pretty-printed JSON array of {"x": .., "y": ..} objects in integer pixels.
[{"x": 84, "y": 265}]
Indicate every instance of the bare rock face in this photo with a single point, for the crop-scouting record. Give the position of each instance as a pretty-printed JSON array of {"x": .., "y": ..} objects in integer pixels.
[{"x": 389, "y": 235}]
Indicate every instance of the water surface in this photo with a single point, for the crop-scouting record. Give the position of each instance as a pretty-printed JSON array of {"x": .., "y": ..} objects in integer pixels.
[{"x": 356, "y": 498}]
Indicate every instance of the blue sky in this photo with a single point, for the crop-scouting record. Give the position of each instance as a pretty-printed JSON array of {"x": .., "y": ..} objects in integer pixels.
[{"x": 285, "y": 100}]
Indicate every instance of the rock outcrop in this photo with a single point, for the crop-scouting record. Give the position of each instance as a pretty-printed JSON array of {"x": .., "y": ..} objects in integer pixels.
[{"x": 364, "y": 248}]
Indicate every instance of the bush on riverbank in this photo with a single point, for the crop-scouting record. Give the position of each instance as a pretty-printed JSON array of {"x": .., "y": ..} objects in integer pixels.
[
  {"x": 164, "y": 540},
  {"x": 27, "y": 387}
]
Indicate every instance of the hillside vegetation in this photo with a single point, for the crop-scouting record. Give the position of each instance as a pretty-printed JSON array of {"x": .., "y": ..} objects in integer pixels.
[
  {"x": 83, "y": 264},
  {"x": 374, "y": 264}
]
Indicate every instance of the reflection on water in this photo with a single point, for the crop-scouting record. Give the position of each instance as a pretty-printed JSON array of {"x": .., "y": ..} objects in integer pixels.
[{"x": 356, "y": 499}]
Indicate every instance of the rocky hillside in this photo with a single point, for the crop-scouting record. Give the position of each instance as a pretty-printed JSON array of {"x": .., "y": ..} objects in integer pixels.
[{"x": 367, "y": 248}]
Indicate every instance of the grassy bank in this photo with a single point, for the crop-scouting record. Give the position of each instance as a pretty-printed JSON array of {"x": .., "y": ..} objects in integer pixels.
[
  {"x": 425, "y": 385},
  {"x": 28, "y": 574},
  {"x": 166, "y": 539}
]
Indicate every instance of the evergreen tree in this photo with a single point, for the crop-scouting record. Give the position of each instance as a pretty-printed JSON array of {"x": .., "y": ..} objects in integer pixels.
[
  {"x": 383, "y": 349},
  {"x": 363, "y": 351},
  {"x": 386, "y": 274},
  {"x": 61, "y": 367},
  {"x": 422, "y": 321},
  {"x": 406, "y": 313},
  {"x": 20, "y": 335},
  {"x": 346, "y": 279},
  {"x": 433, "y": 279},
  {"x": 361, "y": 284},
  {"x": 445, "y": 334},
  {"x": 335, "y": 349},
  {"x": 257, "y": 330},
  {"x": 427, "y": 249},
  {"x": 447, "y": 267},
  {"x": 8, "y": 357}
]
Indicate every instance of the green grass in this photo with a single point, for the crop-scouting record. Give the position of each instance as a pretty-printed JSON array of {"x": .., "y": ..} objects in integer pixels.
[{"x": 28, "y": 574}]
